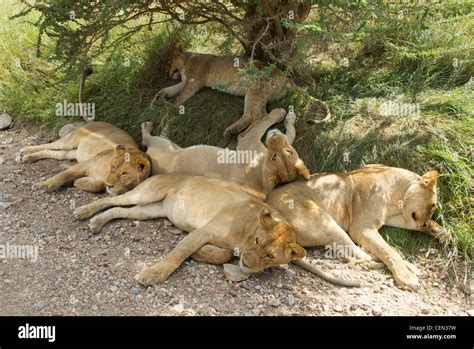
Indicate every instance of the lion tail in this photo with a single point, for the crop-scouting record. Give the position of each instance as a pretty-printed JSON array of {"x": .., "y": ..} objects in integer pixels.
[{"x": 312, "y": 269}]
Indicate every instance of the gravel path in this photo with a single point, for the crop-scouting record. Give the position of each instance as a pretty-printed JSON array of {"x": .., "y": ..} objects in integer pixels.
[{"x": 80, "y": 274}]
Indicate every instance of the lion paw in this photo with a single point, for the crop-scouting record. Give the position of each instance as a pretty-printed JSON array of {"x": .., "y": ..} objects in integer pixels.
[
  {"x": 147, "y": 126},
  {"x": 230, "y": 132},
  {"x": 45, "y": 185},
  {"x": 83, "y": 212},
  {"x": 290, "y": 118},
  {"x": 28, "y": 158},
  {"x": 150, "y": 276},
  {"x": 95, "y": 225},
  {"x": 404, "y": 277}
]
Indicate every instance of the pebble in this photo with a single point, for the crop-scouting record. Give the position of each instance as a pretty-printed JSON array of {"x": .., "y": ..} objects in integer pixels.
[
  {"x": 95, "y": 307},
  {"x": 162, "y": 292},
  {"x": 5, "y": 121},
  {"x": 425, "y": 311},
  {"x": 8, "y": 140},
  {"x": 376, "y": 310},
  {"x": 470, "y": 312},
  {"x": 136, "y": 290},
  {"x": 5, "y": 204},
  {"x": 275, "y": 303},
  {"x": 353, "y": 307},
  {"x": 178, "y": 308},
  {"x": 113, "y": 288},
  {"x": 338, "y": 308},
  {"x": 39, "y": 306},
  {"x": 233, "y": 273},
  {"x": 256, "y": 311}
]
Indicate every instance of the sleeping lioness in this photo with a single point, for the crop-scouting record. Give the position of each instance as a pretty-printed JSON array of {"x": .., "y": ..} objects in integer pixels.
[
  {"x": 108, "y": 159},
  {"x": 198, "y": 70},
  {"x": 264, "y": 168},
  {"x": 361, "y": 202},
  {"x": 221, "y": 218}
]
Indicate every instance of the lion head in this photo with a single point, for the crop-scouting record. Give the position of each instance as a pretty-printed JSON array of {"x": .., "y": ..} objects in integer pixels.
[
  {"x": 421, "y": 199},
  {"x": 128, "y": 168},
  {"x": 273, "y": 244},
  {"x": 177, "y": 61},
  {"x": 283, "y": 163}
]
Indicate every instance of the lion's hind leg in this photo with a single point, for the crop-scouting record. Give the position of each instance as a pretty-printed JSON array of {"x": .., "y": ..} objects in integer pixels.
[
  {"x": 68, "y": 142},
  {"x": 213, "y": 255},
  {"x": 50, "y": 154},
  {"x": 150, "y": 211}
]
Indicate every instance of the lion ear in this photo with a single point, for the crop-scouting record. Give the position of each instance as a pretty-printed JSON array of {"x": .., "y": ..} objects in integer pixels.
[
  {"x": 144, "y": 164},
  {"x": 302, "y": 169},
  {"x": 178, "y": 47},
  {"x": 266, "y": 220},
  {"x": 429, "y": 179},
  {"x": 119, "y": 148},
  {"x": 297, "y": 252}
]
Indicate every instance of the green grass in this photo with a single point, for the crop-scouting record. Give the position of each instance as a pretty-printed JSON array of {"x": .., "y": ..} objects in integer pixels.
[{"x": 440, "y": 138}]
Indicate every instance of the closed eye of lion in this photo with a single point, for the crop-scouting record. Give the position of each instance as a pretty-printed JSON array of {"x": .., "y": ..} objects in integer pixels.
[
  {"x": 199, "y": 70},
  {"x": 108, "y": 159}
]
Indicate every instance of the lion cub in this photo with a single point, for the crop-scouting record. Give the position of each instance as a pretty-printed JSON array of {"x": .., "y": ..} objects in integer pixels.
[
  {"x": 108, "y": 159},
  {"x": 220, "y": 217}
]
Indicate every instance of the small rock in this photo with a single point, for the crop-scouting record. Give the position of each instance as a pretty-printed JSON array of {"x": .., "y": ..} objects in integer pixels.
[
  {"x": 162, "y": 292},
  {"x": 353, "y": 307},
  {"x": 113, "y": 288},
  {"x": 5, "y": 204},
  {"x": 470, "y": 312},
  {"x": 68, "y": 128},
  {"x": 178, "y": 308},
  {"x": 95, "y": 307},
  {"x": 275, "y": 303},
  {"x": 233, "y": 273},
  {"x": 5, "y": 121},
  {"x": 43, "y": 140},
  {"x": 167, "y": 224},
  {"x": 425, "y": 311},
  {"x": 197, "y": 281},
  {"x": 175, "y": 231},
  {"x": 338, "y": 308},
  {"x": 8, "y": 140},
  {"x": 256, "y": 311},
  {"x": 39, "y": 306},
  {"x": 136, "y": 290},
  {"x": 376, "y": 310},
  {"x": 2, "y": 160},
  {"x": 325, "y": 307}
]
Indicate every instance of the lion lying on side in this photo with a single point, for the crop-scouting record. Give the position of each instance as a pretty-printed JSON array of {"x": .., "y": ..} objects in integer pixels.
[
  {"x": 361, "y": 202},
  {"x": 230, "y": 219},
  {"x": 108, "y": 159},
  {"x": 199, "y": 70},
  {"x": 263, "y": 167}
]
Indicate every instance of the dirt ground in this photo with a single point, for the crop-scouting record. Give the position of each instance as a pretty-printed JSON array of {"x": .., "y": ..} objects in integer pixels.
[{"x": 80, "y": 274}]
